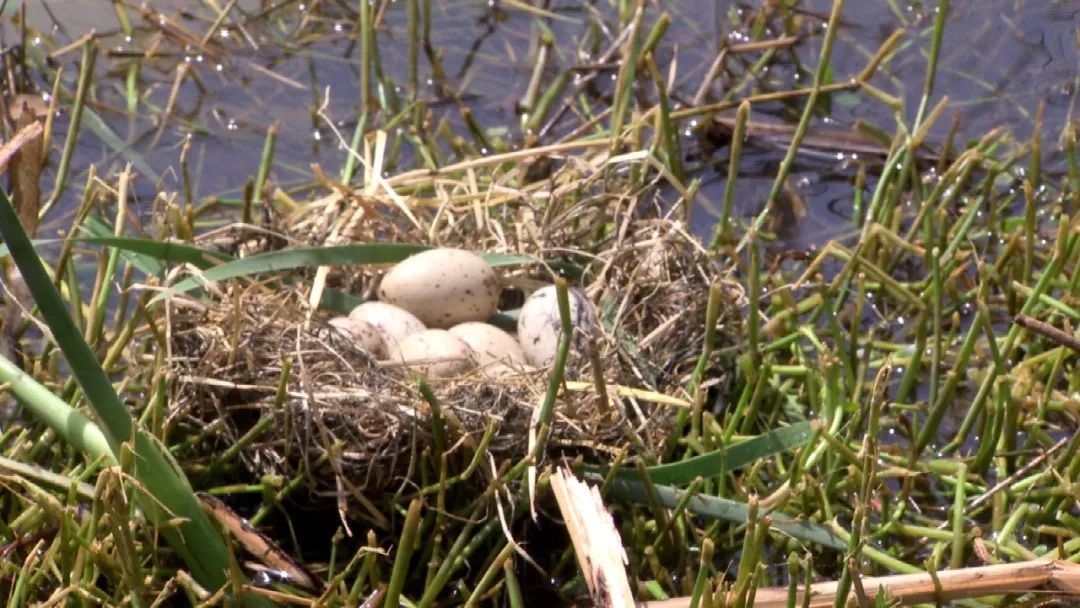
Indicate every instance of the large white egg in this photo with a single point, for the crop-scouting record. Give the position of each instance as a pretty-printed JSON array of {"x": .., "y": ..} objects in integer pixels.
[
  {"x": 394, "y": 323},
  {"x": 364, "y": 335},
  {"x": 539, "y": 324},
  {"x": 435, "y": 353},
  {"x": 443, "y": 287},
  {"x": 491, "y": 346}
]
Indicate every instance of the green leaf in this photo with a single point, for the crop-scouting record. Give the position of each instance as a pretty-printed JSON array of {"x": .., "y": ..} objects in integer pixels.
[
  {"x": 735, "y": 457},
  {"x": 507, "y": 259},
  {"x": 149, "y": 265},
  {"x": 145, "y": 254},
  {"x": 148, "y": 255},
  {"x": 308, "y": 257},
  {"x": 161, "y": 251},
  {"x": 339, "y": 301},
  {"x": 105, "y": 133},
  {"x": 311, "y": 257},
  {"x": 726, "y": 509},
  {"x": 506, "y": 319},
  {"x": 74, "y": 427},
  {"x": 164, "y": 493},
  {"x": 845, "y": 98}
]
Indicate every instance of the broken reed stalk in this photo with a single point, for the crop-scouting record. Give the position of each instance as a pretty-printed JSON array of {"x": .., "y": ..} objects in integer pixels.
[
  {"x": 597, "y": 544},
  {"x": 1055, "y": 576}
]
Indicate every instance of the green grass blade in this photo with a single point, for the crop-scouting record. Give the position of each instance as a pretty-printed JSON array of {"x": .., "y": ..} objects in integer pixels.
[
  {"x": 339, "y": 301},
  {"x": 116, "y": 421},
  {"x": 311, "y": 257},
  {"x": 104, "y": 132},
  {"x": 726, "y": 509},
  {"x": 506, "y": 259},
  {"x": 76, "y": 429},
  {"x": 146, "y": 250},
  {"x": 165, "y": 493},
  {"x": 148, "y": 255},
  {"x": 145, "y": 254},
  {"x": 737, "y": 456}
]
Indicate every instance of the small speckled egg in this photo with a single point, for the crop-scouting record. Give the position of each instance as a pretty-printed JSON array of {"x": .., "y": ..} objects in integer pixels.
[
  {"x": 491, "y": 345},
  {"x": 443, "y": 287},
  {"x": 364, "y": 335},
  {"x": 435, "y": 353},
  {"x": 539, "y": 324},
  {"x": 394, "y": 323}
]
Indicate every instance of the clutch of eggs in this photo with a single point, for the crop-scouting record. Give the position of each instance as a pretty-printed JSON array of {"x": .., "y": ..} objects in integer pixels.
[{"x": 432, "y": 312}]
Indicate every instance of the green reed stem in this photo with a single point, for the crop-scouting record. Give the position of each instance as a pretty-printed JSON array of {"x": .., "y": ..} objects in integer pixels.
[
  {"x": 701, "y": 583},
  {"x": 555, "y": 381},
  {"x": 406, "y": 543},
  {"x": 367, "y": 45},
  {"x": 624, "y": 82},
  {"x": 665, "y": 130},
  {"x": 753, "y": 290},
  {"x": 551, "y": 94},
  {"x": 514, "y": 596},
  {"x": 488, "y": 578},
  {"x": 959, "y": 538},
  {"x": 266, "y": 162},
  {"x": 723, "y": 233},
  {"x": 823, "y": 68},
  {"x": 101, "y": 297},
  {"x": 86, "y": 72}
]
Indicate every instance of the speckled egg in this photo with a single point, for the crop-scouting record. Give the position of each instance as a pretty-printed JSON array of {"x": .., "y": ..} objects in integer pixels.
[
  {"x": 365, "y": 336},
  {"x": 491, "y": 345},
  {"x": 539, "y": 324},
  {"x": 443, "y": 287},
  {"x": 394, "y": 323},
  {"x": 436, "y": 353},
  {"x": 502, "y": 371}
]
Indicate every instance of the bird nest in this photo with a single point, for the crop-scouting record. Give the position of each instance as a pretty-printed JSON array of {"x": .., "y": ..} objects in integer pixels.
[{"x": 256, "y": 367}]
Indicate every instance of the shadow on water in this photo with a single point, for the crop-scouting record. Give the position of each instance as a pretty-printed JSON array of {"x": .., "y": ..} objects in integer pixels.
[{"x": 279, "y": 63}]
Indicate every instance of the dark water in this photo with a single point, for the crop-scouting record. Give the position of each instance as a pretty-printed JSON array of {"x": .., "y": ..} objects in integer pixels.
[{"x": 278, "y": 63}]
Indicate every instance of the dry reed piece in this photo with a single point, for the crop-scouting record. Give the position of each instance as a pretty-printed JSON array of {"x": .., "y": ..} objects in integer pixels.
[
  {"x": 1057, "y": 576},
  {"x": 597, "y": 544}
]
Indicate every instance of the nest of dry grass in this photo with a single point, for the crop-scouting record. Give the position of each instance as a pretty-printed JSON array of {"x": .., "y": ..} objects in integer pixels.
[{"x": 342, "y": 417}]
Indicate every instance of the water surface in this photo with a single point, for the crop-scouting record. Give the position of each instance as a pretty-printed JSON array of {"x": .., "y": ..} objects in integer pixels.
[{"x": 285, "y": 63}]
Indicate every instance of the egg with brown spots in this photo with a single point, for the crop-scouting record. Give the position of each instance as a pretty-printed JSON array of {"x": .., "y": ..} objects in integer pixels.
[
  {"x": 443, "y": 287},
  {"x": 435, "y": 353},
  {"x": 393, "y": 322},
  {"x": 540, "y": 325},
  {"x": 365, "y": 336},
  {"x": 491, "y": 345}
]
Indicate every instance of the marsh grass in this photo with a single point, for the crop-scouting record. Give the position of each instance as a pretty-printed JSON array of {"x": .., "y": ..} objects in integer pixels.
[{"x": 901, "y": 400}]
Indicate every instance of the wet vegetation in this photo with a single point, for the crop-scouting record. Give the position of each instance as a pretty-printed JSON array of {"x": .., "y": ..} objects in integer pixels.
[{"x": 837, "y": 306}]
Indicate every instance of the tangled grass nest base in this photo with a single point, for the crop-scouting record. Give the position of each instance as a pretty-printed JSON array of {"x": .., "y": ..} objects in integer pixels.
[{"x": 342, "y": 417}]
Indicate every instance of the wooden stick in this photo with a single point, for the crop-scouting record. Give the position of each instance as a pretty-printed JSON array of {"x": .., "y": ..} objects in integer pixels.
[
  {"x": 1048, "y": 331},
  {"x": 1037, "y": 575}
]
